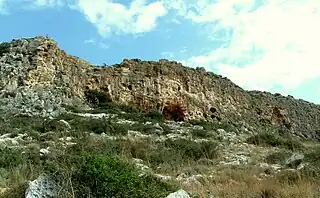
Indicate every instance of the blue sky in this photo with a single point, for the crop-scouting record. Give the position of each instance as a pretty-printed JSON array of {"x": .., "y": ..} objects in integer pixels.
[{"x": 268, "y": 45}]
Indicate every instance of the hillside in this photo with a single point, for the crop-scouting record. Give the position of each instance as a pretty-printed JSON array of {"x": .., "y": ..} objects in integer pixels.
[
  {"x": 155, "y": 126},
  {"x": 36, "y": 70}
]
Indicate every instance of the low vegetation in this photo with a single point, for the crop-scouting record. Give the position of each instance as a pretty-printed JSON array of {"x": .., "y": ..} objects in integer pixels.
[
  {"x": 97, "y": 166},
  {"x": 271, "y": 138},
  {"x": 93, "y": 175}
]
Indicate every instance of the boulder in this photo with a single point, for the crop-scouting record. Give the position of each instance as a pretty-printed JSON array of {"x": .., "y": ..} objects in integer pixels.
[
  {"x": 42, "y": 187},
  {"x": 179, "y": 194}
]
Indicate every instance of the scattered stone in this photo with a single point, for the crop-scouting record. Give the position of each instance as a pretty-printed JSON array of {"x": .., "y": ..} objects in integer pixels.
[
  {"x": 197, "y": 127},
  {"x": 42, "y": 187},
  {"x": 163, "y": 177},
  {"x": 294, "y": 160},
  {"x": 65, "y": 123},
  {"x": 7, "y": 141},
  {"x": 179, "y": 194},
  {"x": 122, "y": 121},
  {"x": 158, "y": 129},
  {"x": 93, "y": 115},
  {"x": 44, "y": 151},
  {"x": 189, "y": 181},
  {"x": 137, "y": 135}
]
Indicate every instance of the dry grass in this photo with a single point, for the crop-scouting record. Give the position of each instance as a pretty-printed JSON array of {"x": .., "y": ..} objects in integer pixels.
[
  {"x": 264, "y": 189},
  {"x": 168, "y": 158},
  {"x": 235, "y": 183}
]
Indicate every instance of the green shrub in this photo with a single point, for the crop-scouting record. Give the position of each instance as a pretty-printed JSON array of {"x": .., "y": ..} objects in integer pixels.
[
  {"x": 108, "y": 176},
  {"x": 22, "y": 124},
  {"x": 164, "y": 155},
  {"x": 193, "y": 150},
  {"x": 313, "y": 156},
  {"x": 155, "y": 115},
  {"x": 313, "y": 159},
  {"x": 125, "y": 112},
  {"x": 278, "y": 157},
  {"x": 166, "y": 129},
  {"x": 74, "y": 108},
  {"x": 213, "y": 125},
  {"x": 15, "y": 191},
  {"x": 4, "y": 48},
  {"x": 113, "y": 128},
  {"x": 10, "y": 157},
  {"x": 95, "y": 125},
  {"x": 52, "y": 125},
  {"x": 105, "y": 176},
  {"x": 179, "y": 151},
  {"x": 200, "y": 133},
  {"x": 275, "y": 140}
]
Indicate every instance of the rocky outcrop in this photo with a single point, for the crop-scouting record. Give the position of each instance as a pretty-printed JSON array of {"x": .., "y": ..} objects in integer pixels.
[
  {"x": 36, "y": 77},
  {"x": 298, "y": 116},
  {"x": 204, "y": 95},
  {"x": 151, "y": 84}
]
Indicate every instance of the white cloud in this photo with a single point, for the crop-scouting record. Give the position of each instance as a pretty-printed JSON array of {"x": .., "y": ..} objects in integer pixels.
[
  {"x": 110, "y": 17},
  {"x": 94, "y": 42},
  {"x": 90, "y": 41},
  {"x": 28, "y": 5},
  {"x": 48, "y": 3},
  {"x": 273, "y": 46},
  {"x": 3, "y": 7},
  {"x": 40, "y": 4},
  {"x": 167, "y": 55},
  {"x": 103, "y": 46}
]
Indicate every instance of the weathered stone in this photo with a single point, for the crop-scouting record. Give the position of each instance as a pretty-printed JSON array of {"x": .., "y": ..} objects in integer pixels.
[
  {"x": 7, "y": 141},
  {"x": 294, "y": 160},
  {"x": 65, "y": 123},
  {"x": 36, "y": 77},
  {"x": 179, "y": 194},
  {"x": 42, "y": 187}
]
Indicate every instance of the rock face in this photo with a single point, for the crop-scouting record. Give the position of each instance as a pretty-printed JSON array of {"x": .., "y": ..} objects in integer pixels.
[
  {"x": 36, "y": 77},
  {"x": 151, "y": 84}
]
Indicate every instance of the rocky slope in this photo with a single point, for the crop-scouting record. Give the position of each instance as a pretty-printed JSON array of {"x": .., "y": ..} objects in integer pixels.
[
  {"x": 205, "y": 159},
  {"x": 63, "y": 148},
  {"x": 151, "y": 84},
  {"x": 38, "y": 78}
]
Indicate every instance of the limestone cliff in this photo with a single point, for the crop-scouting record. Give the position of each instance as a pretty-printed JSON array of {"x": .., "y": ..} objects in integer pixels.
[
  {"x": 37, "y": 77},
  {"x": 205, "y": 95},
  {"x": 36, "y": 73}
]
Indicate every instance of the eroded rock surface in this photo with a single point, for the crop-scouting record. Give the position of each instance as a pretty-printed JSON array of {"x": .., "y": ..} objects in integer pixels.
[
  {"x": 38, "y": 78},
  {"x": 42, "y": 187}
]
